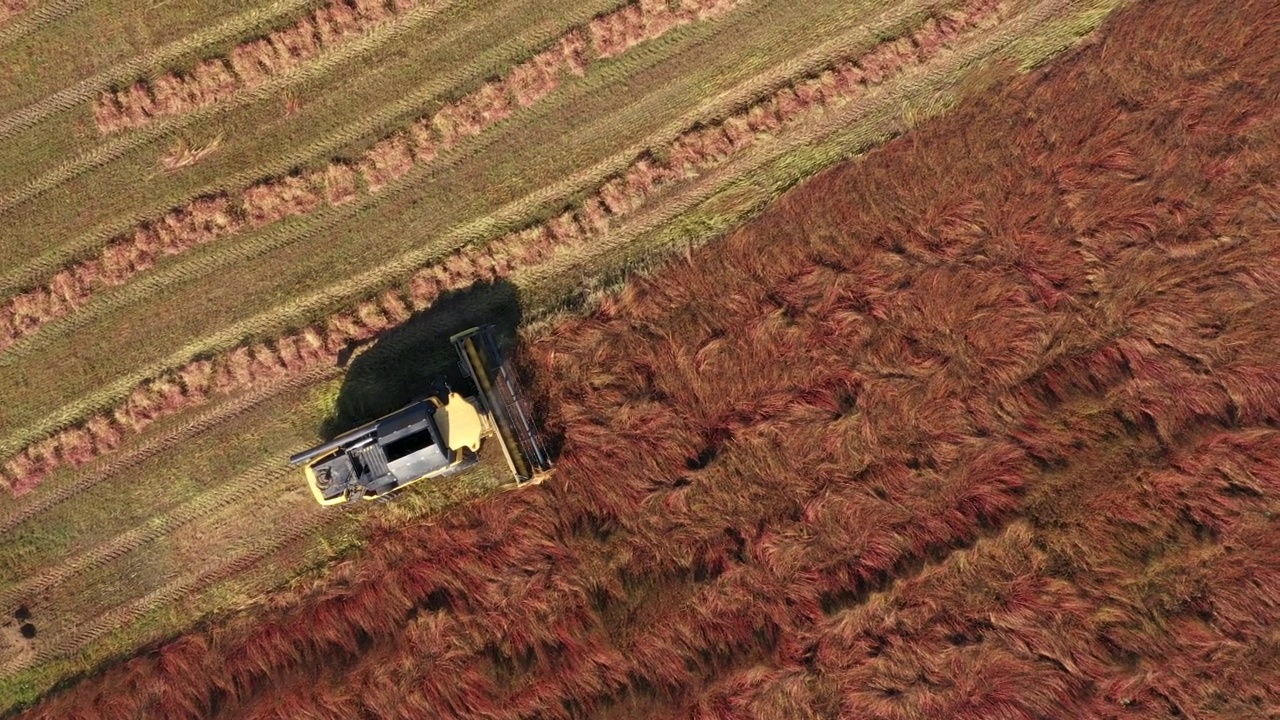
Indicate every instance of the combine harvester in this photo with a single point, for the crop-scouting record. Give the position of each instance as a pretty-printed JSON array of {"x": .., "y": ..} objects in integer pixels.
[{"x": 433, "y": 437}]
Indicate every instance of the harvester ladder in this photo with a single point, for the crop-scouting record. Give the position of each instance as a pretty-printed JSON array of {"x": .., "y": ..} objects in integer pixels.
[{"x": 372, "y": 458}]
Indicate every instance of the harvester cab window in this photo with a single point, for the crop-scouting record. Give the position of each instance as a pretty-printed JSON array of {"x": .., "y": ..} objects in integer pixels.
[{"x": 408, "y": 445}]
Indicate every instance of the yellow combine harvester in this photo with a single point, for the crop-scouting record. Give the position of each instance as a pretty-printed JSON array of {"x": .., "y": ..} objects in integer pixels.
[{"x": 432, "y": 437}]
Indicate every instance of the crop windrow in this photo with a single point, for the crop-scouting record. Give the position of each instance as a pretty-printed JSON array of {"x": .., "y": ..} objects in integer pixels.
[
  {"x": 248, "y": 65},
  {"x": 224, "y": 215},
  {"x": 695, "y": 152},
  {"x": 88, "y": 88},
  {"x": 115, "y": 146}
]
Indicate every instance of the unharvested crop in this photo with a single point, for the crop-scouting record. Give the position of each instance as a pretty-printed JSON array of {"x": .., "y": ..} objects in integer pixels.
[
  {"x": 976, "y": 427},
  {"x": 695, "y": 152}
]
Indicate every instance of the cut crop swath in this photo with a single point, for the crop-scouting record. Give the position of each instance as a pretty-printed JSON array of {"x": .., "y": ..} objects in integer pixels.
[
  {"x": 224, "y": 215},
  {"x": 247, "y": 66}
]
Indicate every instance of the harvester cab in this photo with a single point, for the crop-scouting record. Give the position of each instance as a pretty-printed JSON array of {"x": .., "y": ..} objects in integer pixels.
[{"x": 434, "y": 436}]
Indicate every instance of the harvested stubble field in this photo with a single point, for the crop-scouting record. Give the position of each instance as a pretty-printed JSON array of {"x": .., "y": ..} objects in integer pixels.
[{"x": 977, "y": 426}]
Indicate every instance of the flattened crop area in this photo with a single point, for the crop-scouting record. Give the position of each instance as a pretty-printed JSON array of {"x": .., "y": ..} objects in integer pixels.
[{"x": 237, "y": 224}]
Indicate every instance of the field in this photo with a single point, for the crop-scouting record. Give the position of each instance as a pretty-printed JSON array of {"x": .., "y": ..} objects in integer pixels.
[{"x": 977, "y": 424}]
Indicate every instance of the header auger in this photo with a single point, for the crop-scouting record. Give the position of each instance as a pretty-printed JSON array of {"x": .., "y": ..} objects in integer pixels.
[{"x": 435, "y": 436}]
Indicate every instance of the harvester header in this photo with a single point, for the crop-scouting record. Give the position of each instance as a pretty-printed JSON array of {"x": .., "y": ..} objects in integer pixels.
[{"x": 499, "y": 392}]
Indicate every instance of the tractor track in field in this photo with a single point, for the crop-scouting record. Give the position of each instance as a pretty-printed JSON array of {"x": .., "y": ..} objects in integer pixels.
[
  {"x": 38, "y": 271},
  {"x": 291, "y": 529},
  {"x": 37, "y": 19},
  {"x": 411, "y": 104},
  {"x": 393, "y": 29},
  {"x": 249, "y": 554},
  {"x": 278, "y": 234},
  {"x": 200, "y": 506},
  {"x": 512, "y": 215},
  {"x": 135, "y": 456},
  {"x": 130, "y": 70}
]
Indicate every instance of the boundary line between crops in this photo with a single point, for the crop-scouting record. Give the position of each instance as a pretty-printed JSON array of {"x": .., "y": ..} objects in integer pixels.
[
  {"x": 828, "y": 124},
  {"x": 37, "y": 19},
  {"x": 924, "y": 78},
  {"x": 84, "y": 90},
  {"x": 878, "y": 108}
]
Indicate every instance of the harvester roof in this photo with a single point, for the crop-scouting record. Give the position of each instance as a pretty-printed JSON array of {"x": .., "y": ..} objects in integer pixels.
[{"x": 380, "y": 456}]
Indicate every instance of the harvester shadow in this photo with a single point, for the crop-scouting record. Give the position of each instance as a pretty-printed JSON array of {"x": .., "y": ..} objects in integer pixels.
[{"x": 401, "y": 365}]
